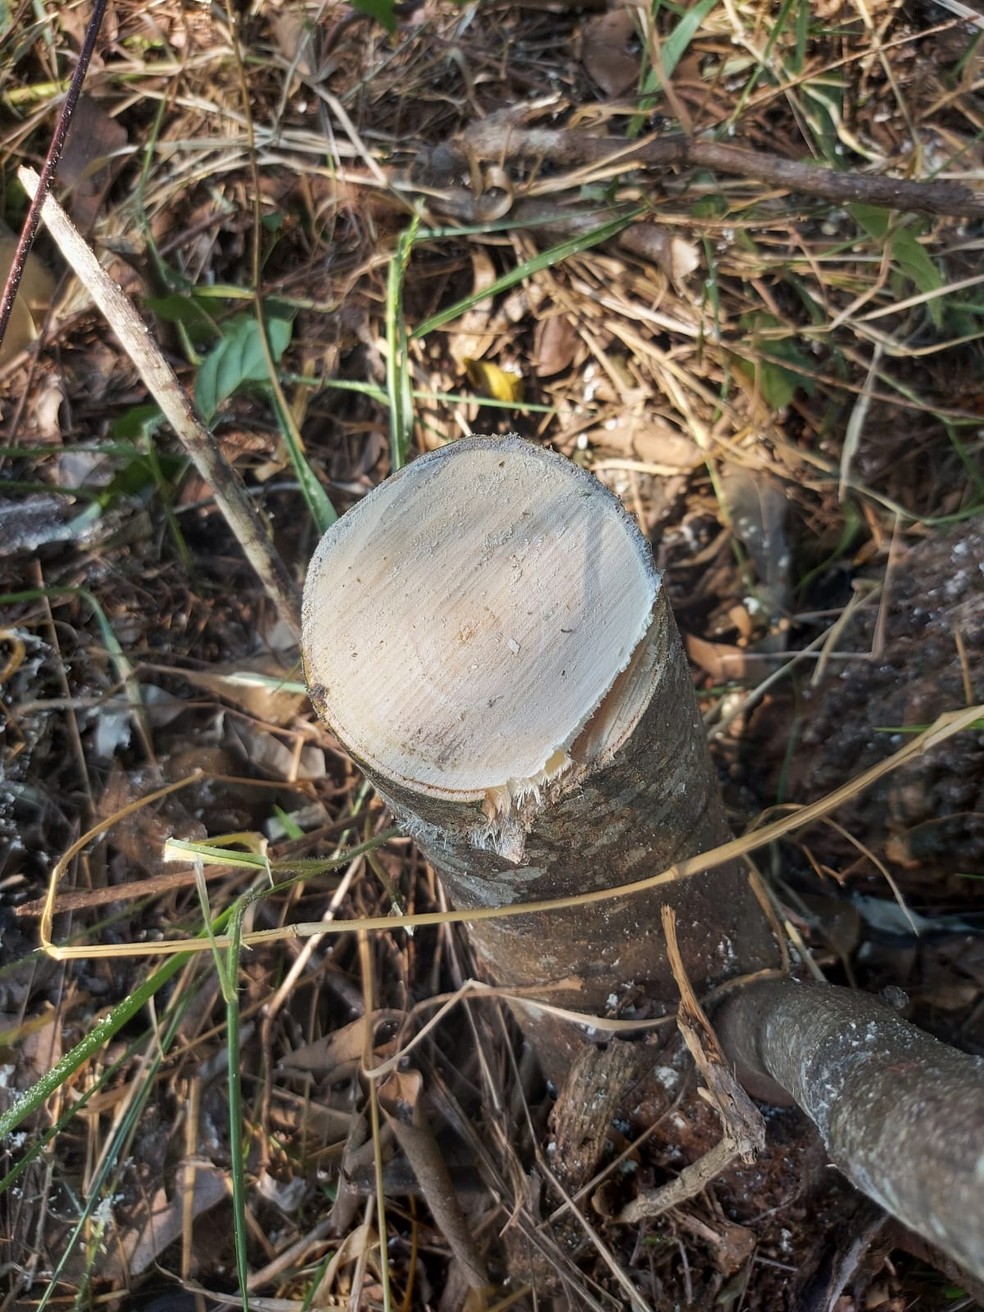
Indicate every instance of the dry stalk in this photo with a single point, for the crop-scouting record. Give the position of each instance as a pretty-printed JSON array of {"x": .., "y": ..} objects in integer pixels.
[
  {"x": 251, "y": 531},
  {"x": 741, "y": 1121},
  {"x": 943, "y": 728},
  {"x": 503, "y": 136}
]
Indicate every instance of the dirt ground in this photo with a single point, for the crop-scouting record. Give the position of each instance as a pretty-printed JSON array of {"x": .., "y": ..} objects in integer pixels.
[{"x": 727, "y": 257}]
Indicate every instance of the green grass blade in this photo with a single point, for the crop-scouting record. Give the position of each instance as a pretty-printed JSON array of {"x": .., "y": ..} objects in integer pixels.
[
  {"x": 544, "y": 260},
  {"x": 676, "y": 44},
  {"x": 323, "y": 513},
  {"x": 31, "y": 1099},
  {"x": 114, "y": 1152},
  {"x": 237, "y": 1127},
  {"x": 399, "y": 392}
]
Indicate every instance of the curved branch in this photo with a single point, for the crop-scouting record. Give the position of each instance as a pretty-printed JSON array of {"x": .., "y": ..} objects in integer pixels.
[{"x": 900, "y": 1113}]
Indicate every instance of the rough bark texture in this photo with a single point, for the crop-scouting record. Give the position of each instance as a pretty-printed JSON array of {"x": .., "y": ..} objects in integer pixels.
[
  {"x": 901, "y": 1114},
  {"x": 623, "y": 788},
  {"x": 656, "y": 805}
]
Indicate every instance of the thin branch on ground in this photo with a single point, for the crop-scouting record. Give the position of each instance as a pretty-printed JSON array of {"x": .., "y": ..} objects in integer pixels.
[
  {"x": 503, "y": 136},
  {"x": 252, "y": 532}
]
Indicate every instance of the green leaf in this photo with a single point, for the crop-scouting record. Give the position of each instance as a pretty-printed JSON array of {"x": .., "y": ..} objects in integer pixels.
[
  {"x": 191, "y": 314},
  {"x": 138, "y": 421},
  {"x": 874, "y": 219},
  {"x": 671, "y": 52},
  {"x": 907, "y": 253},
  {"x": 177, "y": 308},
  {"x": 383, "y": 11},
  {"x": 912, "y": 259},
  {"x": 675, "y": 45},
  {"x": 776, "y": 383},
  {"x": 542, "y": 260},
  {"x": 238, "y": 358},
  {"x": 291, "y": 828},
  {"x": 318, "y": 502}
]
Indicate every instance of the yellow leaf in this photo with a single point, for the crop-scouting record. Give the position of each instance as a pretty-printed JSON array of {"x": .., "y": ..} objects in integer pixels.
[
  {"x": 32, "y": 301},
  {"x": 490, "y": 380}
]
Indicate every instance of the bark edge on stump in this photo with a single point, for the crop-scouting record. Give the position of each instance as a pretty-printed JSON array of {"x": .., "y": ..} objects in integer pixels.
[{"x": 489, "y": 638}]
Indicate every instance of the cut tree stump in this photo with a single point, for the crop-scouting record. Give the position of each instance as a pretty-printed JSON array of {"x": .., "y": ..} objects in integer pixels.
[{"x": 487, "y": 635}]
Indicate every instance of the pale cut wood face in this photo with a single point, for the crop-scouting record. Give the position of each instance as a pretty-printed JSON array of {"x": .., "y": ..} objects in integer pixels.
[{"x": 463, "y": 623}]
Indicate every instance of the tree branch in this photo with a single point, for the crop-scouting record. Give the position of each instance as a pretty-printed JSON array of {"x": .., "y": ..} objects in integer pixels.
[
  {"x": 503, "y": 137},
  {"x": 901, "y": 1114},
  {"x": 251, "y": 530}
]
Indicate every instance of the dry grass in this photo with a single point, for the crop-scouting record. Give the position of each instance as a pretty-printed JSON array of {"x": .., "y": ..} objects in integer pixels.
[{"x": 780, "y": 387}]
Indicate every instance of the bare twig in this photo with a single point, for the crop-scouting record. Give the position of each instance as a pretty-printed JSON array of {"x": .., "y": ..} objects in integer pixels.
[
  {"x": 944, "y": 727},
  {"x": 741, "y": 1121},
  {"x": 230, "y": 493},
  {"x": 504, "y": 136}
]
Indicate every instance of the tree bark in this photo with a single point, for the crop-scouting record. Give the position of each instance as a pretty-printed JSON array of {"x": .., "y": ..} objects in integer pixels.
[
  {"x": 489, "y": 638},
  {"x": 901, "y": 1114}
]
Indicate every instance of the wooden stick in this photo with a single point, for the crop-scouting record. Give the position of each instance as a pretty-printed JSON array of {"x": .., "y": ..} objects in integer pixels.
[
  {"x": 505, "y": 136},
  {"x": 251, "y": 530},
  {"x": 901, "y": 1114}
]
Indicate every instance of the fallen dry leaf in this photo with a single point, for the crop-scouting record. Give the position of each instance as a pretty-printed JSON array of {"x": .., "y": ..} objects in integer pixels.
[
  {"x": 555, "y": 344},
  {"x": 337, "y": 1054},
  {"x": 610, "y": 51},
  {"x": 676, "y": 256},
  {"x": 33, "y": 299},
  {"x": 159, "y": 1222},
  {"x": 469, "y": 335},
  {"x": 254, "y": 685},
  {"x": 92, "y": 157}
]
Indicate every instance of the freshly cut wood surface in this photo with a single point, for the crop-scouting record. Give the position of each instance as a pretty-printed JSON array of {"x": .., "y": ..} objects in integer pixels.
[{"x": 465, "y": 621}]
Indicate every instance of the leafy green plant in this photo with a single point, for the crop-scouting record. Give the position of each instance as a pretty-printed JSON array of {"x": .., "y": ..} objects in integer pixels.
[
  {"x": 776, "y": 363},
  {"x": 908, "y": 255},
  {"x": 188, "y": 311},
  {"x": 238, "y": 358},
  {"x": 383, "y": 11}
]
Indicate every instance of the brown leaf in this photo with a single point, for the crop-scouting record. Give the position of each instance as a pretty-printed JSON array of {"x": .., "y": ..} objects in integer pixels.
[
  {"x": 92, "y": 157},
  {"x": 254, "y": 685},
  {"x": 139, "y": 838},
  {"x": 296, "y": 39},
  {"x": 400, "y": 1092},
  {"x": 276, "y": 759},
  {"x": 610, "y": 51},
  {"x": 159, "y": 1222},
  {"x": 469, "y": 334},
  {"x": 401, "y": 1099},
  {"x": 341, "y": 1052},
  {"x": 555, "y": 343},
  {"x": 670, "y": 252},
  {"x": 657, "y": 443}
]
